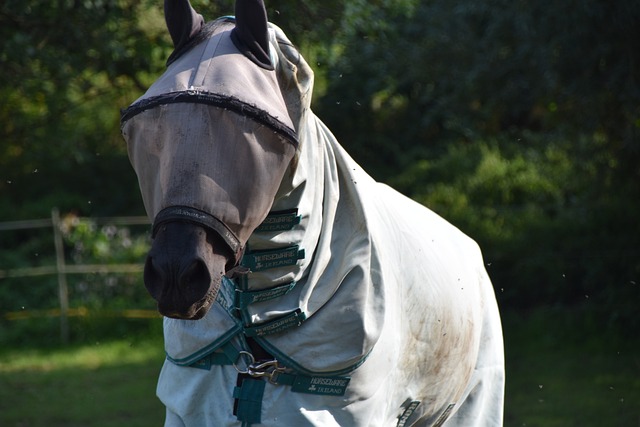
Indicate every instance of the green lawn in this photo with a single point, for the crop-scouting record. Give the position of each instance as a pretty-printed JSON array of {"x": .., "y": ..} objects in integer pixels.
[
  {"x": 565, "y": 371},
  {"x": 561, "y": 372},
  {"x": 101, "y": 385}
]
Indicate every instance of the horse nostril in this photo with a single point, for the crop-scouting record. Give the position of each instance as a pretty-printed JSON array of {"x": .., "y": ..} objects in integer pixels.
[
  {"x": 152, "y": 278},
  {"x": 195, "y": 280}
]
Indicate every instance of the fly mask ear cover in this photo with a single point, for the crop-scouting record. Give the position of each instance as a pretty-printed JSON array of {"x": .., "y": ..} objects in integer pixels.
[
  {"x": 251, "y": 35},
  {"x": 213, "y": 135}
]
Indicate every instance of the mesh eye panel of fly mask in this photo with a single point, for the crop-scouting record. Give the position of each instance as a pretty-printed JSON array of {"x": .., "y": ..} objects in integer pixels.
[{"x": 210, "y": 159}]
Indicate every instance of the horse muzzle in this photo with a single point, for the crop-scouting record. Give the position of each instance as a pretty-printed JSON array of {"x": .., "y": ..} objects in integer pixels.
[{"x": 184, "y": 269}]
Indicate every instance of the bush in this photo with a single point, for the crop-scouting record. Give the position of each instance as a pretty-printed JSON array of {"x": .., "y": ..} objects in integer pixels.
[
  {"x": 29, "y": 306},
  {"x": 550, "y": 236}
]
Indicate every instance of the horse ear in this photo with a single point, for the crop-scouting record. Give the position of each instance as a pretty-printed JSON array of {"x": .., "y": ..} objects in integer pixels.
[
  {"x": 183, "y": 22},
  {"x": 251, "y": 34}
]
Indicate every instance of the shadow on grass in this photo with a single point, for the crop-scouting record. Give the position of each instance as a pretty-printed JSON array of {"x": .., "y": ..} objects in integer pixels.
[{"x": 565, "y": 369}]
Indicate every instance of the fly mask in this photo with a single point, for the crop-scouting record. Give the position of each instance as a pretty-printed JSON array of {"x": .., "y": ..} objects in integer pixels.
[{"x": 211, "y": 142}]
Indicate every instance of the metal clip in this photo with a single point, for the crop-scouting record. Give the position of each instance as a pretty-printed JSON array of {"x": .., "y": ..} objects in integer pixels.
[{"x": 270, "y": 369}]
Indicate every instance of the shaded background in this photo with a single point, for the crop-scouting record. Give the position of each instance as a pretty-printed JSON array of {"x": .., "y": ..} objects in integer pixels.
[{"x": 518, "y": 121}]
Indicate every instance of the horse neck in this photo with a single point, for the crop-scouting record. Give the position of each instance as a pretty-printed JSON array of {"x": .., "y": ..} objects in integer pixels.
[
  {"x": 329, "y": 189},
  {"x": 305, "y": 188}
]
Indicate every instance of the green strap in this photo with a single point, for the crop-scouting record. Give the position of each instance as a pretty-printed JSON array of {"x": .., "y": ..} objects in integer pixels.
[
  {"x": 409, "y": 410},
  {"x": 273, "y": 258},
  {"x": 228, "y": 356},
  {"x": 275, "y": 326},
  {"x": 280, "y": 221},
  {"x": 249, "y": 401},
  {"x": 443, "y": 417},
  {"x": 245, "y": 298},
  {"x": 308, "y": 384}
]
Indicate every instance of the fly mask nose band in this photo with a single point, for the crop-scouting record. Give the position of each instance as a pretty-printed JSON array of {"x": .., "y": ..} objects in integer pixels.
[{"x": 203, "y": 219}]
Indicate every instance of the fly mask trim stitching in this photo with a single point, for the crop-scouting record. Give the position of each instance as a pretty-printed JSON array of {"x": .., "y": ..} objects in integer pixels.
[
  {"x": 223, "y": 101},
  {"x": 198, "y": 217}
]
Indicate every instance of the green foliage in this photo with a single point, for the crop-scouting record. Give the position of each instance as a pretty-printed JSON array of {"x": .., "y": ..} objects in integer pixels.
[
  {"x": 106, "y": 244},
  {"x": 27, "y": 249},
  {"x": 101, "y": 297},
  {"x": 68, "y": 67},
  {"x": 547, "y": 231},
  {"x": 496, "y": 191},
  {"x": 517, "y": 121},
  {"x": 415, "y": 76}
]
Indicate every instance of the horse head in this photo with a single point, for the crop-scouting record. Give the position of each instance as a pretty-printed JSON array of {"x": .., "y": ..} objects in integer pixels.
[{"x": 211, "y": 142}]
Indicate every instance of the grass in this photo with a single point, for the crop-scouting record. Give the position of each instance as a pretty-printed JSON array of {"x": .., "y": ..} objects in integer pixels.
[
  {"x": 563, "y": 370},
  {"x": 104, "y": 384}
]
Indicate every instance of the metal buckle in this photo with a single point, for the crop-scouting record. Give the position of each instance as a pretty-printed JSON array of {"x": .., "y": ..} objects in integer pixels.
[{"x": 269, "y": 369}]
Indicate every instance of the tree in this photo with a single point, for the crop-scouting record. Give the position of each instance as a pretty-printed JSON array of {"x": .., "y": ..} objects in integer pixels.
[
  {"x": 457, "y": 71},
  {"x": 519, "y": 121},
  {"x": 68, "y": 67}
]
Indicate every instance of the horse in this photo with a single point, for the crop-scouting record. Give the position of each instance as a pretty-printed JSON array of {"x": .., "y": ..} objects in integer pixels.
[{"x": 295, "y": 289}]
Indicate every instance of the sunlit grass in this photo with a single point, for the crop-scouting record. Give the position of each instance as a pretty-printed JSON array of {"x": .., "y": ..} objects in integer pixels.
[
  {"x": 561, "y": 372},
  {"x": 98, "y": 385},
  {"x": 94, "y": 356}
]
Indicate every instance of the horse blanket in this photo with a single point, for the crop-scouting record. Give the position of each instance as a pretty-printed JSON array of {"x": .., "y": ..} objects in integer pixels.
[{"x": 377, "y": 311}]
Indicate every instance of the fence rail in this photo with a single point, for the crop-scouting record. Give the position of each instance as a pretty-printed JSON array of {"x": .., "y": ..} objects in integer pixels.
[
  {"x": 62, "y": 269},
  {"x": 71, "y": 269},
  {"x": 81, "y": 312}
]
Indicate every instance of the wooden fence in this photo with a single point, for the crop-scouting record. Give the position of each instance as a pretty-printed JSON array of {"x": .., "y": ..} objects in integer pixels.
[{"x": 61, "y": 269}]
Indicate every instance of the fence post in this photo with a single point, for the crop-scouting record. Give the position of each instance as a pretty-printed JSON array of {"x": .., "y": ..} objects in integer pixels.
[{"x": 63, "y": 291}]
